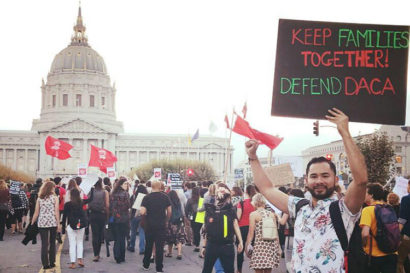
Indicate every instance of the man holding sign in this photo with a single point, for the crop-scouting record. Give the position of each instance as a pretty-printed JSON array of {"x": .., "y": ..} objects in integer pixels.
[{"x": 316, "y": 248}]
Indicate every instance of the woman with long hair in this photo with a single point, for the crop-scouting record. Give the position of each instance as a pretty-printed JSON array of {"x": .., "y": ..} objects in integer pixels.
[
  {"x": 135, "y": 223},
  {"x": 48, "y": 215},
  {"x": 4, "y": 206},
  {"x": 98, "y": 215},
  {"x": 190, "y": 211},
  {"x": 237, "y": 195},
  {"x": 243, "y": 210},
  {"x": 76, "y": 219},
  {"x": 176, "y": 233},
  {"x": 265, "y": 254},
  {"x": 119, "y": 218}
]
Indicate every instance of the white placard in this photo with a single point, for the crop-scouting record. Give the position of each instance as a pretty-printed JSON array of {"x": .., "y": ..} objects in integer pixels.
[
  {"x": 157, "y": 173},
  {"x": 88, "y": 182},
  {"x": 82, "y": 170},
  {"x": 111, "y": 172},
  {"x": 138, "y": 201},
  {"x": 401, "y": 186}
]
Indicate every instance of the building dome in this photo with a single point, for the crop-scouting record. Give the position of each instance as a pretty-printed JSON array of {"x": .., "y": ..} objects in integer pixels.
[{"x": 78, "y": 58}]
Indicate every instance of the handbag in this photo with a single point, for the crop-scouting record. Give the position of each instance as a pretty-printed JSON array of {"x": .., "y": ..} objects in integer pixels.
[{"x": 108, "y": 234}]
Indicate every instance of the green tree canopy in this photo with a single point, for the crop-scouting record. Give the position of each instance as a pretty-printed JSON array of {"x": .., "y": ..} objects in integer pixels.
[
  {"x": 379, "y": 155},
  {"x": 202, "y": 170}
]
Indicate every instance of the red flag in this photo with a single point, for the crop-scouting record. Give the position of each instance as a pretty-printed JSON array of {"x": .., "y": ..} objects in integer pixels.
[
  {"x": 227, "y": 121},
  {"x": 271, "y": 141},
  {"x": 57, "y": 148},
  {"x": 244, "y": 110},
  {"x": 101, "y": 158},
  {"x": 242, "y": 127}
]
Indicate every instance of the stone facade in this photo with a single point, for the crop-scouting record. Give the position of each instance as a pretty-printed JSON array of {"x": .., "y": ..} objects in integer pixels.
[{"x": 78, "y": 106}]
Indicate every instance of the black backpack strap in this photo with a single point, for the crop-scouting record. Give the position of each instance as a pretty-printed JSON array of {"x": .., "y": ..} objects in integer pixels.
[
  {"x": 300, "y": 204},
  {"x": 338, "y": 225}
]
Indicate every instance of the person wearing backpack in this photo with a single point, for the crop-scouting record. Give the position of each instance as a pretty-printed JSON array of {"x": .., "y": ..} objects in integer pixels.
[
  {"x": 19, "y": 202},
  {"x": 176, "y": 234},
  {"x": 220, "y": 227},
  {"x": 317, "y": 247},
  {"x": 98, "y": 215},
  {"x": 265, "y": 252},
  {"x": 60, "y": 192},
  {"x": 378, "y": 231},
  {"x": 76, "y": 220}
]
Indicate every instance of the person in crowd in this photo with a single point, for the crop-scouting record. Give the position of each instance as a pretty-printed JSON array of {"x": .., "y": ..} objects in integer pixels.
[
  {"x": 19, "y": 203},
  {"x": 76, "y": 220},
  {"x": 237, "y": 196},
  {"x": 404, "y": 225},
  {"x": 148, "y": 185},
  {"x": 379, "y": 261},
  {"x": 321, "y": 178},
  {"x": 84, "y": 196},
  {"x": 71, "y": 185},
  {"x": 221, "y": 225},
  {"x": 156, "y": 207},
  {"x": 60, "y": 192},
  {"x": 107, "y": 184},
  {"x": 265, "y": 254},
  {"x": 176, "y": 233},
  {"x": 282, "y": 225},
  {"x": 204, "y": 188},
  {"x": 33, "y": 200},
  {"x": 47, "y": 215},
  {"x": 243, "y": 211},
  {"x": 190, "y": 212},
  {"x": 98, "y": 209},
  {"x": 209, "y": 196},
  {"x": 135, "y": 223},
  {"x": 187, "y": 223},
  {"x": 188, "y": 189},
  {"x": 394, "y": 201},
  {"x": 4, "y": 206},
  {"x": 27, "y": 189},
  {"x": 119, "y": 218}
]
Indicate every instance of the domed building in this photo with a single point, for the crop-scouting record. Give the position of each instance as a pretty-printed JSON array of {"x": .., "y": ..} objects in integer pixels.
[{"x": 78, "y": 106}]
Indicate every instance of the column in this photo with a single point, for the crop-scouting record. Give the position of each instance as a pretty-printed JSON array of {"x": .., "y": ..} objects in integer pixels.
[
  {"x": 4, "y": 156},
  {"x": 128, "y": 161},
  {"x": 26, "y": 160},
  {"x": 138, "y": 158},
  {"x": 15, "y": 159},
  {"x": 84, "y": 157}
]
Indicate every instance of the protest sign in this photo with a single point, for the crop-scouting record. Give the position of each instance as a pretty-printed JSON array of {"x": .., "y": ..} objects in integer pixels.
[
  {"x": 111, "y": 172},
  {"x": 280, "y": 174},
  {"x": 14, "y": 187},
  {"x": 175, "y": 181},
  {"x": 82, "y": 170},
  {"x": 157, "y": 173},
  {"x": 138, "y": 201},
  {"x": 88, "y": 182},
  {"x": 360, "y": 69},
  {"x": 400, "y": 188}
]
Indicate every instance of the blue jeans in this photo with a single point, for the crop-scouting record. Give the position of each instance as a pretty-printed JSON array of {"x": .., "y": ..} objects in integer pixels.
[
  {"x": 135, "y": 225},
  {"x": 218, "y": 266}
]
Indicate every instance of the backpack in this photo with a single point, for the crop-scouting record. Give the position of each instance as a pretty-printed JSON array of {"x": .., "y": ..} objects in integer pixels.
[
  {"x": 98, "y": 201},
  {"x": 269, "y": 228},
  {"x": 355, "y": 259},
  {"x": 77, "y": 218},
  {"x": 388, "y": 232},
  {"x": 176, "y": 216},
  {"x": 16, "y": 201},
  {"x": 219, "y": 223}
]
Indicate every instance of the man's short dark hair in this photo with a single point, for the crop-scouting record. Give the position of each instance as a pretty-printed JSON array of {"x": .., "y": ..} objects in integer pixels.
[
  {"x": 106, "y": 181},
  {"x": 376, "y": 190},
  {"x": 78, "y": 180},
  {"x": 320, "y": 160},
  {"x": 57, "y": 180}
]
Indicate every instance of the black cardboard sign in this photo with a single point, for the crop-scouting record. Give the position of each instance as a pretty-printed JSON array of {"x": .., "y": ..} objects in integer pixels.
[{"x": 359, "y": 68}]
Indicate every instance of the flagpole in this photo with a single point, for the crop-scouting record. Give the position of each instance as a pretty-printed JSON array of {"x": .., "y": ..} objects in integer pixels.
[{"x": 228, "y": 148}]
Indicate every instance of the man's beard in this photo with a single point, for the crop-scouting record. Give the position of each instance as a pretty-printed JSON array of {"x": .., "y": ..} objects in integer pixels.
[{"x": 320, "y": 196}]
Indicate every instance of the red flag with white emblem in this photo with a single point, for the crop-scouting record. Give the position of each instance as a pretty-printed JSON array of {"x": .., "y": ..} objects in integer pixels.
[
  {"x": 57, "y": 148},
  {"x": 101, "y": 158}
]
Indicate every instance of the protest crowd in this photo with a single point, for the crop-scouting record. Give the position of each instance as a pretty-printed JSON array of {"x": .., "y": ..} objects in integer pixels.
[{"x": 362, "y": 229}]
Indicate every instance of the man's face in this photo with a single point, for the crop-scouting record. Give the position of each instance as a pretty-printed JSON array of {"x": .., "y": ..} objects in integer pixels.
[
  {"x": 368, "y": 198},
  {"x": 321, "y": 180}
]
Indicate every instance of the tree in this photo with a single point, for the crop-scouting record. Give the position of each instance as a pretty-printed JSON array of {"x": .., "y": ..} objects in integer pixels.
[
  {"x": 201, "y": 170},
  {"x": 7, "y": 173},
  {"x": 378, "y": 152}
]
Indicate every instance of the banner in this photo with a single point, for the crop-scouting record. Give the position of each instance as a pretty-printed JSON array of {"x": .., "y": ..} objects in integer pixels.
[
  {"x": 360, "y": 69},
  {"x": 138, "y": 201},
  {"x": 82, "y": 170},
  {"x": 88, "y": 182},
  {"x": 400, "y": 188}
]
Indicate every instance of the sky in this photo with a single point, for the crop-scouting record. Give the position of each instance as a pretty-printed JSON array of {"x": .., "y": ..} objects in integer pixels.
[{"x": 177, "y": 65}]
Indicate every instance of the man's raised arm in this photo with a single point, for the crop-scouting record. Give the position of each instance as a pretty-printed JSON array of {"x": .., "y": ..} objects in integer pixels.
[
  {"x": 261, "y": 180},
  {"x": 356, "y": 191}
]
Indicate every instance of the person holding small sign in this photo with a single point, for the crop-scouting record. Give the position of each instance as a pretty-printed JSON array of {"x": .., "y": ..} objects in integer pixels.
[{"x": 316, "y": 248}]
